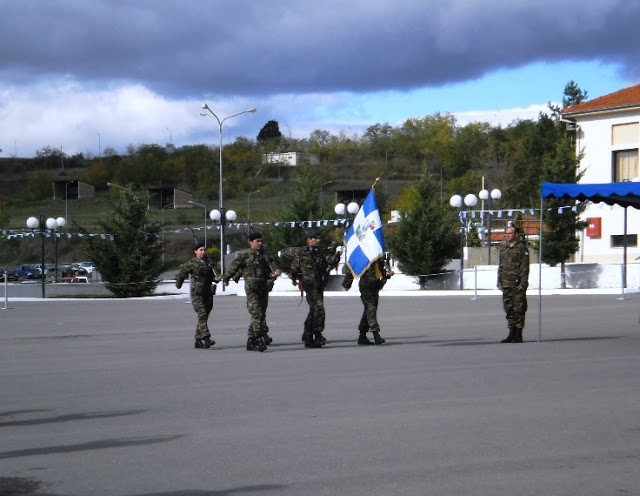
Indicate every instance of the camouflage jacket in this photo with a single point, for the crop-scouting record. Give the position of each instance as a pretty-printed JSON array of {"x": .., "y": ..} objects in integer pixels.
[
  {"x": 513, "y": 269},
  {"x": 369, "y": 280},
  {"x": 202, "y": 276},
  {"x": 311, "y": 266},
  {"x": 254, "y": 266}
]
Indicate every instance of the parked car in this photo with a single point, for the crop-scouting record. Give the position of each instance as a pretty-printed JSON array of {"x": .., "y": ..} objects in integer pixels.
[
  {"x": 12, "y": 275},
  {"x": 88, "y": 266},
  {"x": 27, "y": 272}
]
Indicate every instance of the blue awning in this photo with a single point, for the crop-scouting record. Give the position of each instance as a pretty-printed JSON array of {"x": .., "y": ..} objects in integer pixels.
[{"x": 625, "y": 194}]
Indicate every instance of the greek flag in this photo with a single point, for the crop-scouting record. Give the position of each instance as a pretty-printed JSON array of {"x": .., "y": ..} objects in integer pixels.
[{"x": 364, "y": 240}]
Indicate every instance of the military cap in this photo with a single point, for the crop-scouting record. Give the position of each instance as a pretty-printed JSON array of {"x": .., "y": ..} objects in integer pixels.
[
  {"x": 198, "y": 244},
  {"x": 313, "y": 233},
  {"x": 255, "y": 235}
]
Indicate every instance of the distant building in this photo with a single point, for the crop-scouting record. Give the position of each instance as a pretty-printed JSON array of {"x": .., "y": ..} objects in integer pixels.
[
  {"x": 72, "y": 190},
  {"x": 291, "y": 159},
  {"x": 168, "y": 197}
]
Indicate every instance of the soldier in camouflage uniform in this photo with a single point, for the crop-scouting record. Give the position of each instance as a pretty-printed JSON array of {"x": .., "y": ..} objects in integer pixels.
[
  {"x": 255, "y": 266},
  {"x": 513, "y": 280},
  {"x": 371, "y": 282},
  {"x": 203, "y": 288},
  {"x": 310, "y": 267}
]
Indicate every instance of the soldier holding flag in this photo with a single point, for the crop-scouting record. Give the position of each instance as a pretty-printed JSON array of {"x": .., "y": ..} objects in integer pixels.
[{"x": 365, "y": 252}]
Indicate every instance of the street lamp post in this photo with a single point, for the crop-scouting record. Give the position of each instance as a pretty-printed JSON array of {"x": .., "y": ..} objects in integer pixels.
[
  {"x": 322, "y": 186},
  {"x": 220, "y": 192},
  {"x": 484, "y": 194},
  {"x": 205, "y": 219},
  {"x": 43, "y": 225},
  {"x": 386, "y": 183},
  {"x": 456, "y": 201},
  {"x": 249, "y": 204},
  {"x": 162, "y": 207},
  {"x": 66, "y": 199}
]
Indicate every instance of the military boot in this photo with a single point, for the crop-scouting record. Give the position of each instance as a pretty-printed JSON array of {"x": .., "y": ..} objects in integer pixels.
[
  {"x": 255, "y": 344},
  {"x": 377, "y": 338},
  {"x": 517, "y": 335},
  {"x": 207, "y": 342},
  {"x": 363, "y": 339},
  {"x": 199, "y": 344},
  {"x": 510, "y": 337}
]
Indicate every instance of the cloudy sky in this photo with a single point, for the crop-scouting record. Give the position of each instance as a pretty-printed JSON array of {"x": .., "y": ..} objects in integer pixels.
[{"x": 84, "y": 75}]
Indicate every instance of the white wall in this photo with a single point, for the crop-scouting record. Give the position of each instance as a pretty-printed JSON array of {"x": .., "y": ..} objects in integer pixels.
[{"x": 594, "y": 138}]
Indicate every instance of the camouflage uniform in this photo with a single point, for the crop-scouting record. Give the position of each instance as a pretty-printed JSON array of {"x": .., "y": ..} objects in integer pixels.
[
  {"x": 254, "y": 267},
  {"x": 311, "y": 267},
  {"x": 371, "y": 282},
  {"x": 513, "y": 271},
  {"x": 202, "y": 291}
]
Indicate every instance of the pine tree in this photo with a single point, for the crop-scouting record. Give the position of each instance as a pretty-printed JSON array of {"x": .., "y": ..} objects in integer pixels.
[
  {"x": 130, "y": 262},
  {"x": 424, "y": 241}
]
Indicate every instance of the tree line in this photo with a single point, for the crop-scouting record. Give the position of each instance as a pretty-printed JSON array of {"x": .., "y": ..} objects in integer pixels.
[{"x": 440, "y": 157}]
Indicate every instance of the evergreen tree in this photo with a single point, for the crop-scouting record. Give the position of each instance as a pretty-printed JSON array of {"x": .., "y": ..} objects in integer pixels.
[
  {"x": 130, "y": 263},
  {"x": 561, "y": 222},
  {"x": 303, "y": 205},
  {"x": 424, "y": 241},
  {"x": 270, "y": 131}
]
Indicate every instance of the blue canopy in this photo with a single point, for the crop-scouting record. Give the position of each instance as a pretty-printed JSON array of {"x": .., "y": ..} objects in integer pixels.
[{"x": 625, "y": 194}]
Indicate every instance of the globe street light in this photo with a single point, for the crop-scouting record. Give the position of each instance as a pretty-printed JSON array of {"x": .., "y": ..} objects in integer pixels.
[
  {"x": 43, "y": 226},
  {"x": 484, "y": 194},
  {"x": 456, "y": 201},
  {"x": 220, "y": 193},
  {"x": 216, "y": 216}
]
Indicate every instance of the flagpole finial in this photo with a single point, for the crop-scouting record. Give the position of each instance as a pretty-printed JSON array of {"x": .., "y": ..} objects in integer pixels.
[{"x": 375, "y": 182}]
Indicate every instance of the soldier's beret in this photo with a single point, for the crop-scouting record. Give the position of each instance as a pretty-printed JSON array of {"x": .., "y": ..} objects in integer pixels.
[
  {"x": 313, "y": 233},
  {"x": 198, "y": 244},
  {"x": 255, "y": 235}
]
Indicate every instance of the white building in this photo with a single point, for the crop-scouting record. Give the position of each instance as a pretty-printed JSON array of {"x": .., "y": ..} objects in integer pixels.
[
  {"x": 608, "y": 134},
  {"x": 291, "y": 159}
]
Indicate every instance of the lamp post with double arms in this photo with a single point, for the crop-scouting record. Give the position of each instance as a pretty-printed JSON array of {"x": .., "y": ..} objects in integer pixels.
[
  {"x": 43, "y": 226},
  {"x": 484, "y": 194},
  {"x": 220, "y": 192},
  {"x": 456, "y": 201}
]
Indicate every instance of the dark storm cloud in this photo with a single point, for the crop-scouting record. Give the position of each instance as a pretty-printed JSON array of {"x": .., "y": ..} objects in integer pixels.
[{"x": 243, "y": 47}]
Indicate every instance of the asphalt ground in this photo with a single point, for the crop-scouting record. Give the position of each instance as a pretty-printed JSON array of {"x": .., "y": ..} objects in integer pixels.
[{"x": 110, "y": 397}]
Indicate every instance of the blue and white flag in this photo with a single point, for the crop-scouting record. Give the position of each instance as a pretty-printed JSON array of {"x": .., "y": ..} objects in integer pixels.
[{"x": 365, "y": 240}]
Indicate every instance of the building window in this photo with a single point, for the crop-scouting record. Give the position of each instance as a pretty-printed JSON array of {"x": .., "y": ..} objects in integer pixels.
[
  {"x": 625, "y": 134},
  {"x": 617, "y": 240},
  {"x": 625, "y": 165}
]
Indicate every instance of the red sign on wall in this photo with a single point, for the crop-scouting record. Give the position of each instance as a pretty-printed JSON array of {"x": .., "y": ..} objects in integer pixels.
[{"x": 594, "y": 227}]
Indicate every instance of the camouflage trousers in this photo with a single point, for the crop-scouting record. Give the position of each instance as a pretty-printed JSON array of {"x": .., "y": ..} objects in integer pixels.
[
  {"x": 202, "y": 305},
  {"x": 315, "y": 318},
  {"x": 257, "y": 302},
  {"x": 514, "y": 302},
  {"x": 369, "y": 319}
]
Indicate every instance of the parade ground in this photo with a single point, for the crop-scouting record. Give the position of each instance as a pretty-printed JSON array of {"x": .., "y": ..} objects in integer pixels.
[{"x": 109, "y": 397}]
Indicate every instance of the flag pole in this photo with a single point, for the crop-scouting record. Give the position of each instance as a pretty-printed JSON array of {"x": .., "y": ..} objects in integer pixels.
[{"x": 373, "y": 186}]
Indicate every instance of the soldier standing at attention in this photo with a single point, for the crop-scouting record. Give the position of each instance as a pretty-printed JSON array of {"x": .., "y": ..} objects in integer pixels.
[
  {"x": 255, "y": 266},
  {"x": 203, "y": 288},
  {"x": 310, "y": 266},
  {"x": 513, "y": 280},
  {"x": 371, "y": 282}
]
